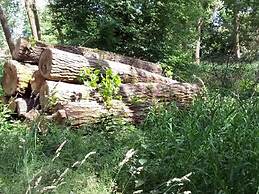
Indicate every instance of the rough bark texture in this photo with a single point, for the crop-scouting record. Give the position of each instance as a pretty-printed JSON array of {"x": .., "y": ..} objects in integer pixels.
[
  {"x": 143, "y": 92},
  {"x": 7, "y": 32},
  {"x": 87, "y": 110},
  {"x": 16, "y": 77},
  {"x": 25, "y": 52},
  {"x": 52, "y": 93},
  {"x": 104, "y": 55},
  {"x": 33, "y": 18},
  {"x": 84, "y": 112},
  {"x": 53, "y": 87},
  {"x": 130, "y": 74},
  {"x": 59, "y": 65}
]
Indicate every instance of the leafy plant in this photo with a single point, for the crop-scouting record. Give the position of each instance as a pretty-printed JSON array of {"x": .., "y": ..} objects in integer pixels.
[
  {"x": 107, "y": 84},
  {"x": 90, "y": 76}
]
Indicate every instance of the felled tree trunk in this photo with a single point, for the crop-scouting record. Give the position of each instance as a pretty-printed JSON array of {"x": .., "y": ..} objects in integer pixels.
[
  {"x": 23, "y": 49},
  {"x": 58, "y": 65},
  {"x": 130, "y": 74},
  {"x": 52, "y": 93},
  {"x": 142, "y": 92},
  {"x": 85, "y": 112},
  {"x": 25, "y": 52},
  {"x": 104, "y": 55},
  {"x": 16, "y": 77},
  {"x": 79, "y": 104}
]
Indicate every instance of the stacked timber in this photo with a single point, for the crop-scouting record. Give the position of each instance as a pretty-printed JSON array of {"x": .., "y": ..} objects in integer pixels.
[{"x": 44, "y": 80}]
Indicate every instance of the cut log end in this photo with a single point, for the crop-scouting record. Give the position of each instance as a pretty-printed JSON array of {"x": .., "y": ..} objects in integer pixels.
[
  {"x": 9, "y": 81},
  {"x": 36, "y": 82},
  {"x": 45, "y": 63}
]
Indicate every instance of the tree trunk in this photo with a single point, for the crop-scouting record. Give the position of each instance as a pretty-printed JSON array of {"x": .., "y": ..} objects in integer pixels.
[
  {"x": 198, "y": 44},
  {"x": 74, "y": 103},
  {"x": 104, "y": 55},
  {"x": 7, "y": 32},
  {"x": 128, "y": 73},
  {"x": 59, "y": 65},
  {"x": 16, "y": 77},
  {"x": 143, "y": 92},
  {"x": 33, "y": 18},
  {"x": 52, "y": 93},
  {"x": 237, "y": 35},
  {"x": 85, "y": 112},
  {"x": 25, "y": 52}
]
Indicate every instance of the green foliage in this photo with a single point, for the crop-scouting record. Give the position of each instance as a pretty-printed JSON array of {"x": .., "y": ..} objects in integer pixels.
[
  {"x": 90, "y": 76},
  {"x": 216, "y": 140},
  {"x": 144, "y": 29},
  {"x": 107, "y": 85}
]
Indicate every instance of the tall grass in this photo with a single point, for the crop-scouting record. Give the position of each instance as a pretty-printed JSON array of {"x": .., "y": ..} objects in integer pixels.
[{"x": 217, "y": 140}]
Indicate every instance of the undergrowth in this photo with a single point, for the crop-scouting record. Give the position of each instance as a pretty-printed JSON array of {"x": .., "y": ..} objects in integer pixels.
[{"x": 216, "y": 141}]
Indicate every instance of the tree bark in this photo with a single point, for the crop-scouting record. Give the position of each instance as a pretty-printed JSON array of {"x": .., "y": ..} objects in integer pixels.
[
  {"x": 25, "y": 52},
  {"x": 198, "y": 44},
  {"x": 52, "y": 93},
  {"x": 237, "y": 34},
  {"x": 59, "y": 65},
  {"x": 7, "y": 32},
  {"x": 104, "y": 55},
  {"x": 16, "y": 77},
  {"x": 74, "y": 103},
  {"x": 128, "y": 73},
  {"x": 180, "y": 92},
  {"x": 85, "y": 112},
  {"x": 63, "y": 66},
  {"x": 33, "y": 18}
]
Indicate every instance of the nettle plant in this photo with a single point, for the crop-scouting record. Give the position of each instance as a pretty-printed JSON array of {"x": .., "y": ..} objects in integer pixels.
[{"x": 107, "y": 83}]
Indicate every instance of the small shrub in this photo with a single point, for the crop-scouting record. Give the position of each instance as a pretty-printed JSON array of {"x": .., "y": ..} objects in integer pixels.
[{"x": 107, "y": 84}]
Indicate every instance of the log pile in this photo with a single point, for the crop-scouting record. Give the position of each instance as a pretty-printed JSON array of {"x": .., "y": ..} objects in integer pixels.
[{"x": 44, "y": 80}]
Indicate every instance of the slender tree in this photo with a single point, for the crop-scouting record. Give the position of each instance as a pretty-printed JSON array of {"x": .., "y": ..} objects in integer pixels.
[
  {"x": 198, "y": 43},
  {"x": 31, "y": 9},
  {"x": 7, "y": 32},
  {"x": 237, "y": 34}
]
